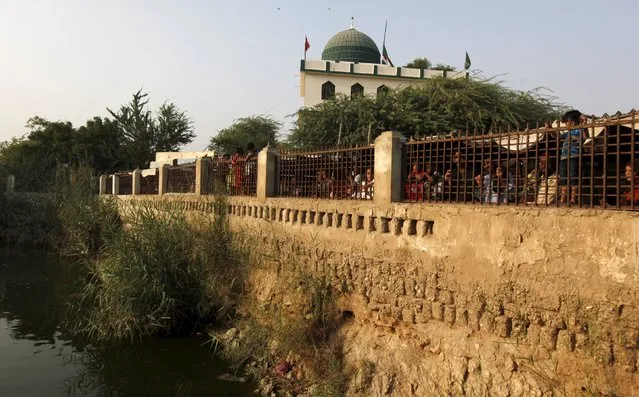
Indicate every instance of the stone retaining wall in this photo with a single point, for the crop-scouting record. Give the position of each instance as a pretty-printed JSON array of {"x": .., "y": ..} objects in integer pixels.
[{"x": 462, "y": 299}]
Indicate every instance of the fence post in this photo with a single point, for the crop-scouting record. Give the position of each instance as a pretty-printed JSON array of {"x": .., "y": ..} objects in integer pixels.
[
  {"x": 115, "y": 183},
  {"x": 163, "y": 179},
  {"x": 388, "y": 168},
  {"x": 103, "y": 184},
  {"x": 202, "y": 166},
  {"x": 136, "y": 182},
  {"x": 267, "y": 173}
]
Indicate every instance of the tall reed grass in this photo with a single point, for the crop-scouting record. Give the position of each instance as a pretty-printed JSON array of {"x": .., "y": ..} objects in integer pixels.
[{"x": 162, "y": 274}]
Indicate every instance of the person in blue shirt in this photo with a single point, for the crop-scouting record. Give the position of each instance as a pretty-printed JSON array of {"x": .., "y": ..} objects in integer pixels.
[{"x": 570, "y": 156}]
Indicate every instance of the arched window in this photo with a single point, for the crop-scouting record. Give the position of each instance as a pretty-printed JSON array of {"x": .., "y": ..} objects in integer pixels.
[
  {"x": 382, "y": 89},
  {"x": 357, "y": 90},
  {"x": 328, "y": 90}
]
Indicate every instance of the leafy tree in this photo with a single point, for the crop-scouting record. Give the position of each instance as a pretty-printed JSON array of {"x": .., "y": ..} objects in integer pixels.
[
  {"x": 32, "y": 167},
  {"x": 260, "y": 130},
  {"x": 444, "y": 67},
  {"x": 439, "y": 106},
  {"x": 419, "y": 63},
  {"x": 100, "y": 144},
  {"x": 144, "y": 134}
]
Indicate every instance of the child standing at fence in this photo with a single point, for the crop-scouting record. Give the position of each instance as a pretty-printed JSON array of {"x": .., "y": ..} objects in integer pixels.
[{"x": 570, "y": 156}]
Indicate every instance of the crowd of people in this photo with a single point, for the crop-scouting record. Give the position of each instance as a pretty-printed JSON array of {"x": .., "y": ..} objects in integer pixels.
[
  {"x": 562, "y": 174},
  {"x": 359, "y": 185}
]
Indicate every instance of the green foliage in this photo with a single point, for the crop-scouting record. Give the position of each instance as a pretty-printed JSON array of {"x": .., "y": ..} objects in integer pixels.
[
  {"x": 28, "y": 220},
  {"x": 29, "y": 162},
  {"x": 86, "y": 220},
  {"x": 439, "y": 106},
  {"x": 419, "y": 63},
  {"x": 143, "y": 134},
  {"x": 71, "y": 218},
  {"x": 260, "y": 130},
  {"x": 161, "y": 275},
  {"x": 445, "y": 67},
  {"x": 101, "y": 145}
]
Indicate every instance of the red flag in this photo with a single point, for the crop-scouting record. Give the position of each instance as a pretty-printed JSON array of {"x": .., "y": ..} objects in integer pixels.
[{"x": 307, "y": 45}]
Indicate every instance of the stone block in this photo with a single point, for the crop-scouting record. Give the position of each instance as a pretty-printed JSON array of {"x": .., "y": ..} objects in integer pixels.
[
  {"x": 438, "y": 311},
  {"x": 431, "y": 294},
  {"x": 487, "y": 322},
  {"x": 433, "y": 279},
  {"x": 449, "y": 314},
  {"x": 565, "y": 341},
  {"x": 408, "y": 316},
  {"x": 461, "y": 317},
  {"x": 548, "y": 337},
  {"x": 446, "y": 297},
  {"x": 474, "y": 318},
  {"x": 533, "y": 334},
  {"x": 503, "y": 326},
  {"x": 518, "y": 328}
]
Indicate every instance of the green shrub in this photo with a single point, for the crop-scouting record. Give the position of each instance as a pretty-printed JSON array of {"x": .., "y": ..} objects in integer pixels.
[
  {"x": 162, "y": 275},
  {"x": 86, "y": 220},
  {"x": 28, "y": 219}
]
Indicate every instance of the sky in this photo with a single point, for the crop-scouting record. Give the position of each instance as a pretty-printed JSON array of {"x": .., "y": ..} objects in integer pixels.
[{"x": 223, "y": 60}]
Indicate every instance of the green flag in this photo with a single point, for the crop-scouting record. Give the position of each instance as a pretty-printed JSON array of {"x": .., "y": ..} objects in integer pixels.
[{"x": 467, "y": 63}]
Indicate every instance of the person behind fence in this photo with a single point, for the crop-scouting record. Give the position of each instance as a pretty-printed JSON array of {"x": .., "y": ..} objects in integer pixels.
[
  {"x": 570, "y": 156},
  {"x": 323, "y": 185},
  {"x": 355, "y": 180},
  {"x": 366, "y": 187},
  {"x": 495, "y": 186},
  {"x": 237, "y": 164},
  {"x": 250, "y": 165},
  {"x": 458, "y": 180},
  {"x": 631, "y": 193},
  {"x": 483, "y": 178},
  {"x": 418, "y": 187},
  {"x": 289, "y": 187}
]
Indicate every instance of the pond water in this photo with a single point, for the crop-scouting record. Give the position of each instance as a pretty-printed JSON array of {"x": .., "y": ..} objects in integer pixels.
[{"x": 39, "y": 358}]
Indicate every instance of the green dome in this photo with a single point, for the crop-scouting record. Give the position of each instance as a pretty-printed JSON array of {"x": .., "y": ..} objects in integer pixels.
[{"x": 351, "y": 46}]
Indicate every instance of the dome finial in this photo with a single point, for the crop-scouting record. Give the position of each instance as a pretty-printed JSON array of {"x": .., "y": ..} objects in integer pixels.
[{"x": 352, "y": 22}]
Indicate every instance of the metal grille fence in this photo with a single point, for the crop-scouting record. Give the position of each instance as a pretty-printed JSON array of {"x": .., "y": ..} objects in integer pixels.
[
  {"x": 336, "y": 174},
  {"x": 587, "y": 166},
  {"x": 235, "y": 177},
  {"x": 181, "y": 179},
  {"x": 149, "y": 184},
  {"x": 126, "y": 184}
]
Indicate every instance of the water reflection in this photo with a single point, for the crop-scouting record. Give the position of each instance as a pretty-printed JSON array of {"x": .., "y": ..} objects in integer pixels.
[{"x": 38, "y": 358}]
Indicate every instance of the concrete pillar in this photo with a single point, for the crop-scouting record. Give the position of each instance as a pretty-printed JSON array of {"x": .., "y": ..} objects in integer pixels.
[
  {"x": 388, "y": 168},
  {"x": 202, "y": 167},
  {"x": 116, "y": 184},
  {"x": 136, "y": 182},
  {"x": 11, "y": 184},
  {"x": 267, "y": 173},
  {"x": 103, "y": 184},
  {"x": 163, "y": 179}
]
